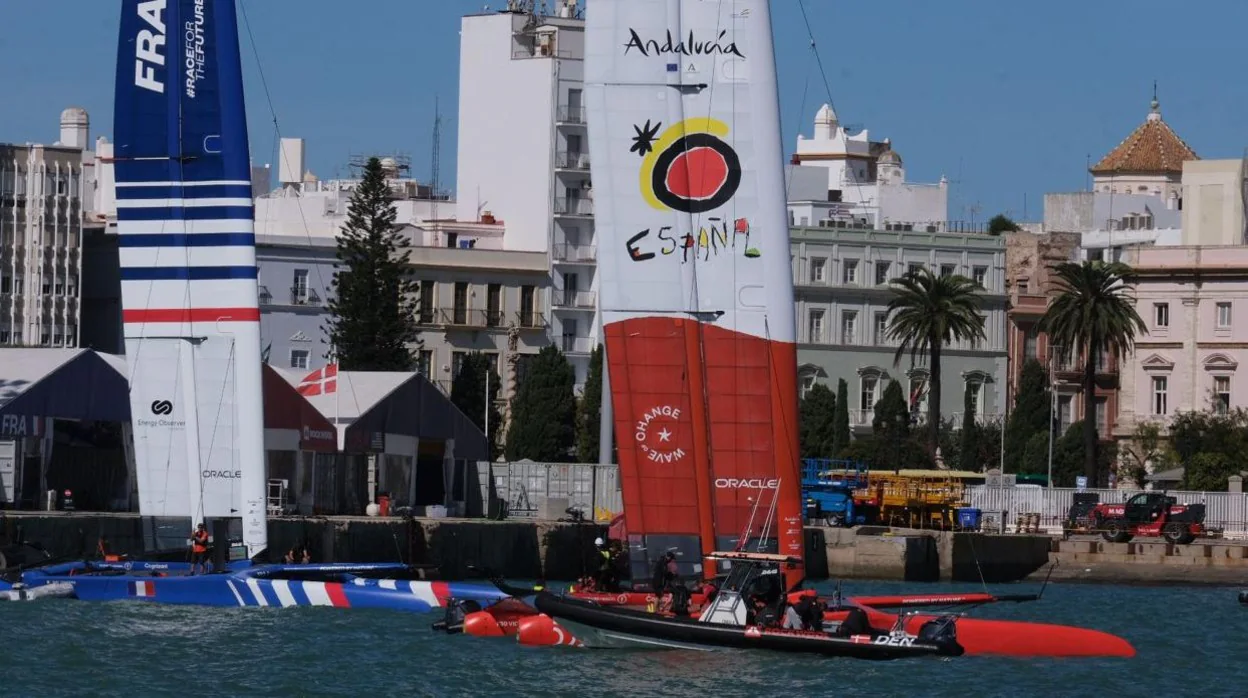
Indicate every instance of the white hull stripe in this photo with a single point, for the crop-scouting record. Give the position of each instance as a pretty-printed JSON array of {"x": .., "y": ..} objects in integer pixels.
[
  {"x": 254, "y": 586},
  {"x": 212, "y": 183},
  {"x": 180, "y": 203},
  {"x": 424, "y": 592},
  {"x": 237, "y": 597},
  {"x": 317, "y": 595},
  {"x": 184, "y": 227},
  {"x": 170, "y": 256},
  {"x": 281, "y": 587}
]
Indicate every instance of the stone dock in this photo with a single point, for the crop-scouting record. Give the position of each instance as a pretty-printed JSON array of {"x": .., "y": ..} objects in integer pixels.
[{"x": 525, "y": 549}]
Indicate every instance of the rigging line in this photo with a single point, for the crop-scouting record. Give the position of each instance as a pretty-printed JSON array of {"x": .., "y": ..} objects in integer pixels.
[
  {"x": 255, "y": 49},
  {"x": 788, "y": 183}
]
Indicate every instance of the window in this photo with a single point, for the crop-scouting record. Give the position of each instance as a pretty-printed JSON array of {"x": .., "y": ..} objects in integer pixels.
[
  {"x": 1102, "y": 416},
  {"x": 1222, "y": 394},
  {"x": 881, "y": 329},
  {"x": 494, "y": 305},
  {"x": 1031, "y": 343},
  {"x": 299, "y": 288},
  {"x": 1023, "y": 286},
  {"x": 881, "y": 273},
  {"x": 1096, "y": 255},
  {"x": 6, "y": 284},
  {"x": 914, "y": 268},
  {"x": 869, "y": 386},
  {"x": 851, "y": 271},
  {"x": 523, "y": 363},
  {"x": 459, "y": 308},
  {"x": 918, "y": 395},
  {"x": 528, "y": 311},
  {"x": 849, "y": 327},
  {"x": 299, "y": 358},
  {"x": 1160, "y": 384},
  {"x": 1161, "y": 314},
  {"x": 816, "y": 326},
  {"x": 975, "y": 389},
  {"x": 1224, "y": 315},
  {"x": 1065, "y": 415},
  {"x": 948, "y": 269},
  {"x": 569, "y": 335},
  {"x": 426, "y": 302},
  {"x": 980, "y": 276},
  {"x": 807, "y": 384},
  {"x": 817, "y": 268},
  {"x": 424, "y": 363}
]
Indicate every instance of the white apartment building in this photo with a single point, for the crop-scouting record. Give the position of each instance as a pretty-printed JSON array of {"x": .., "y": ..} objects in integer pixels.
[
  {"x": 523, "y": 155},
  {"x": 842, "y": 179},
  {"x": 43, "y": 189}
]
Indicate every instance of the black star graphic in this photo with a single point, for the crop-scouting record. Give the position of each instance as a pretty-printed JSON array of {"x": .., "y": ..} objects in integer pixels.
[{"x": 644, "y": 140}]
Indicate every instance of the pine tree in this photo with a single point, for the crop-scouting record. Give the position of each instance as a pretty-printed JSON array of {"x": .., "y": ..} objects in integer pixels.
[
  {"x": 1030, "y": 416},
  {"x": 589, "y": 411},
  {"x": 969, "y": 449},
  {"x": 468, "y": 394},
  {"x": 840, "y": 422},
  {"x": 543, "y": 412},
  {"x": 372, "y": 322},
  {"x": 817, "y": 420}
]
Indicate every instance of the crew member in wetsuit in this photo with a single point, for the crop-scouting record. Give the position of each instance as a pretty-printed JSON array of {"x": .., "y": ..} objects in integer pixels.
[
  {"x": 199, "y": 548},
  {"x": 605, "y": 578},
  {"x": 664, "y": 574}
]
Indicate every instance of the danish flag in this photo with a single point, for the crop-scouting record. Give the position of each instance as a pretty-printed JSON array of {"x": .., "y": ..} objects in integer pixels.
[{"x": 322, "y": 381}]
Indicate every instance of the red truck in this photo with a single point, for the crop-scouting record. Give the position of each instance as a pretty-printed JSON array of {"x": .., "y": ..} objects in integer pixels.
[{"x": 1149, "y": 515}]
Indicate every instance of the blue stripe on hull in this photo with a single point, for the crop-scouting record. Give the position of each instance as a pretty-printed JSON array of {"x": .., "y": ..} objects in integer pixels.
[
  {"x": 188, "y": 240},
  {"x": 190, "y": 213},
  {"x": 187, "y": 273}
]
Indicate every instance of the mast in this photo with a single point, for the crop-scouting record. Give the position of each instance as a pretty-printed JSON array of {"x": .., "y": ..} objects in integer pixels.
[
  {"x": 188, "y": 270},
  {"x": 695, "y": 278}
]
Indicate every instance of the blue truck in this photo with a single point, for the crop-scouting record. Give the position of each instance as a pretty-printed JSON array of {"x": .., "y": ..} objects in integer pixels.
[{"x": 828, "y": 490}]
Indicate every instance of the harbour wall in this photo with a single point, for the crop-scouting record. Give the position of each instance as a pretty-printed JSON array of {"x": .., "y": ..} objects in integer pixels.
[{"x": 527, "y": 549}]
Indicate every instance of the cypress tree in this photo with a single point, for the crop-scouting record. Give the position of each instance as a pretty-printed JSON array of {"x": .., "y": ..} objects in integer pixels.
[
  {"x": 892, "y": 416},
  {"x": 372, "y": 310},
  {"x": 589, "y": 411},
  {"x": 468, "y": 394},
  {"x": 969, "y": 450},
  {"x": 1030, "y": 415},
  {"x": 543, "y": 411},
  {"x": 840, "y": 422},
  {"x": 817, "y": 420}
]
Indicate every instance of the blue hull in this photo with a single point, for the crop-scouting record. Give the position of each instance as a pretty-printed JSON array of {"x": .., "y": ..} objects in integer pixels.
[{"x": 258, "y": 585}]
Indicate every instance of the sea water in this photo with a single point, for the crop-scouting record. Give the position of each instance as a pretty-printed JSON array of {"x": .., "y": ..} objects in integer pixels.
[{"x": 1192, "y": 641}]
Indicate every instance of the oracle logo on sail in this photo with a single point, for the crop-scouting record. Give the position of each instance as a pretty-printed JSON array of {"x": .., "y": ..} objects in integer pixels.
[
  {"x": 222, "y": 474},
  {"x": 148, "y": 46},
  {"x": 753, "y": 483},
  {"x": 655, "y": 439}
]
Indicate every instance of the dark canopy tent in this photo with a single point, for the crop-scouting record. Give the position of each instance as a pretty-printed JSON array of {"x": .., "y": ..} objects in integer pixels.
[{"x": 89, "y": 393}]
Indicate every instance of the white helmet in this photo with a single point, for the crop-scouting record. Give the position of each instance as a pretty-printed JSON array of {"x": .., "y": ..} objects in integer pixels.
[{"x": 598, "y": 542}]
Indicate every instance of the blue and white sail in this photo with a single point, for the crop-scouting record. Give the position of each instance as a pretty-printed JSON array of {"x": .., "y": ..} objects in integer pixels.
[{"x": 188, "y": 264}]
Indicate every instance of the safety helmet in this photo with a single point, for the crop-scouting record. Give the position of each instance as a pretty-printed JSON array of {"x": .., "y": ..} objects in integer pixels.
[{"x": 599, "y": 542}]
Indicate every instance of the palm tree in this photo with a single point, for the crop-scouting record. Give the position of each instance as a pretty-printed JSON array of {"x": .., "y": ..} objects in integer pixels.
[
  {"x": 926, "y": 313},
  {"x": 1093, "y": 312}
]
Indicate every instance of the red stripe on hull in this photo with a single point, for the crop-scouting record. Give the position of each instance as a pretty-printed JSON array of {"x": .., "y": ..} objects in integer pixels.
[
  {"x": 337, "y": 596},
  {"x": 181, "y": 315},
  {"x": 441, "y": 591}
]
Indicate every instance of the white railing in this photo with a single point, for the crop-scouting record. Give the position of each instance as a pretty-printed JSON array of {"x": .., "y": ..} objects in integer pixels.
[
  {"x": 565, "y": 252},
  {"x": 575, "y": 299},
  {"x": 1225, "y": 510},
  {"x": 571, "y": 161},
  {"x": 574, "y": 207},
  {"x": 576, "y": 345}
]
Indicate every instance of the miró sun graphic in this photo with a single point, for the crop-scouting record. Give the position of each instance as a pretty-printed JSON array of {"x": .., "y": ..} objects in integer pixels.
[
  {"x": 689, "y": 167},
  {"x": 655, "y": 434}
]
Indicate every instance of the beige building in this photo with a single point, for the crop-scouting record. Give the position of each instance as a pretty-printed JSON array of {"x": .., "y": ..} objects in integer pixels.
[{"x": 42, "y": 192}]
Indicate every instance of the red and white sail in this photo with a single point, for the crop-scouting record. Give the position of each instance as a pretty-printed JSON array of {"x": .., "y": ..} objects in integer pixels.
[{"x": 696, "y": 280}]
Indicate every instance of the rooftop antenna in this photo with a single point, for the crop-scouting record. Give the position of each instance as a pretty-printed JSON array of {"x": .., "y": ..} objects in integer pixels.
[{"x": 435, "y": 167}]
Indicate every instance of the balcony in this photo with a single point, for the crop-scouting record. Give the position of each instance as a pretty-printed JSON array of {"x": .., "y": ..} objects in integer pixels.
[
  {"x": 582, "y": 208},
  {"x": 577, "y": 346},
  {"x": 466, "y": 317},
  {"x": 530, "y": 320},
  {"x": 575, "y": 254},
  {"x": 567, "y": 114},
  {"x": 583, "y": 300},
  {"x": 572, "y": 161},
  {"x": 303, "y": 296}
]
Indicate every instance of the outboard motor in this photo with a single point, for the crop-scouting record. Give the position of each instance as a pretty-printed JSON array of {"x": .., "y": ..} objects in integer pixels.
[
  {"x": 941, "y": 631},
  {"x": 456, "y": 611}
]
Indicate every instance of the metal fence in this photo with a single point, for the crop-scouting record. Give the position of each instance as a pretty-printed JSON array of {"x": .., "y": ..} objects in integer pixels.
[
  {"x": 1224, "y": 510},
  {"x": 547, "y": 490}
]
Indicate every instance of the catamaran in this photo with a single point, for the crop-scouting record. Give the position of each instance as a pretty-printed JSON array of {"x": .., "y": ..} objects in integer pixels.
[
  {"x": 696, "y": 296},
  {"x": 192, "y": 333}
]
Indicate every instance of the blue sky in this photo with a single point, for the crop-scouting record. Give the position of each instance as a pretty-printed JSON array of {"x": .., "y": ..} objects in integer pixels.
[{"x": 1008, "y": 99}]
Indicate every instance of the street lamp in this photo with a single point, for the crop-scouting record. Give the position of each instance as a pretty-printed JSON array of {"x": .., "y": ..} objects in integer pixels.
[
  {"x": 900, "y": 421},
  {"x": 1053, "y": 353}
]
